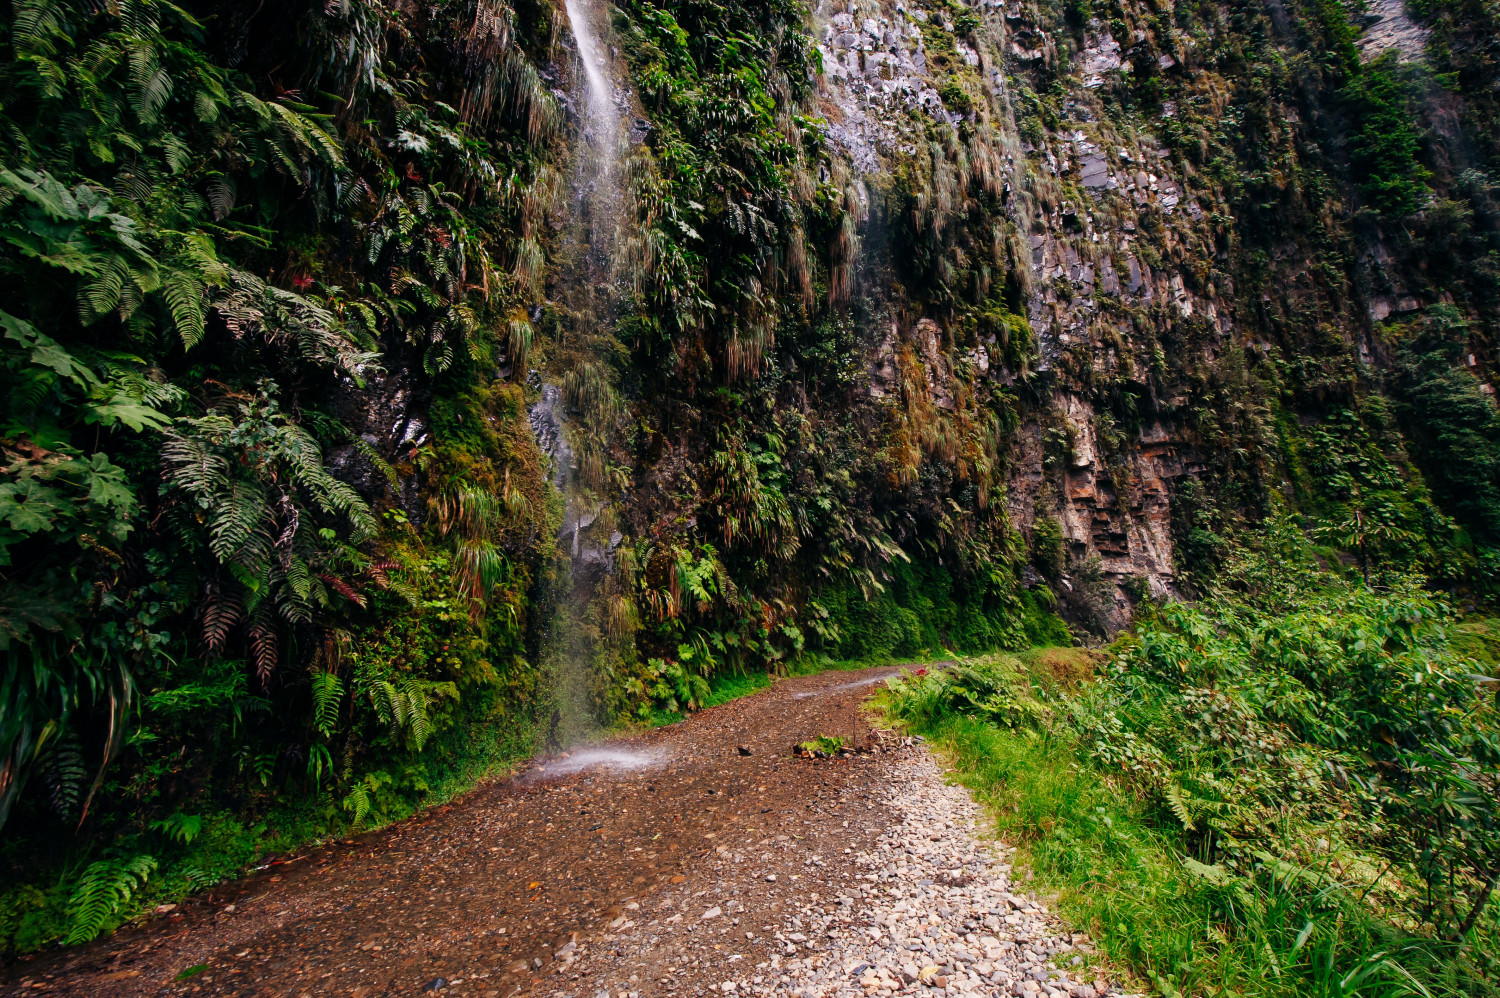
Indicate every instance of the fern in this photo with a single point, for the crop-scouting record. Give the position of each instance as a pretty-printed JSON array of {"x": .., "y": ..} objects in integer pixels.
[
  {"x": 405, "y": 708},
  {"x": 327, "y": 692},
  {"x": 1178, "y": 800},
  {"x": 37, "y": 26},
  {"x": 102, "y": 295},
  {"x": 102, "y": 891},
  {"x": 357, "y": 802},
  {"x": 62, "y": 764},
  {"x": 263, "y": 646},
  {"x": 139, "y": 16},
  {"x": 234, "y": 518},
  {"x": 184, "y": 295},
  {"x": 363, "y": 796},
  {"x": 380, "y": 464},
  {"x": 179, "y": 827},
  {"x": 150, "y": 86}
]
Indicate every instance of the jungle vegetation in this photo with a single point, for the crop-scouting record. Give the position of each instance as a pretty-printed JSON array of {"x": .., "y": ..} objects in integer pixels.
[
  {"x": 279, "y": 554},
  {"x": 1287, "y": 788}
]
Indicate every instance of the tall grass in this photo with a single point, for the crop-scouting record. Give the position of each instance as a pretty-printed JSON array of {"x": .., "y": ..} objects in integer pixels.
[{"x": 1186, "y": 928}]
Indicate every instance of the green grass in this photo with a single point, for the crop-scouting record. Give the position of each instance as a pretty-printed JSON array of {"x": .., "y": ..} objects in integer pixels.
[
  {"x": 732, "y": 687},
  {"x": 1114, "y": 872}
]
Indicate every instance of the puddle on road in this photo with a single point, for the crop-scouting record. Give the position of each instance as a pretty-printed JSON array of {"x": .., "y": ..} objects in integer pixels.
[
  {"x": 853, "y": 685},
  {"x": 617, "y": 759}
]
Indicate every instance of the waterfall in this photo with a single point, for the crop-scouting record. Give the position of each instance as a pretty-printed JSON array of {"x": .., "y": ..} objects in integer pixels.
[
  {"x": 602, "y": 130},
  {"x": 583, "y": 302},
  {"x": 596, "y": 174}
]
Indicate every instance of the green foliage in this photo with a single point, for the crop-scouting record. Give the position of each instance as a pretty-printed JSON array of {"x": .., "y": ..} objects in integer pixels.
[
  {"x": 1454, "y": 427},
  {"x": 216, "y": 277},
  {"x": 1040, "y": 622},
  {"x": 670, "y": 687},
  {"x": 1200, "y": 546},
  {"x": 257, "y": 483},
  {"x": 364, "y": 797},
  {"x": 1386, "y": 143},
  {"x": 955, "y": 97},
  {"x": 1366, "y": 498},
  {"x": 922, "y": 609},
  {"x": 1117, "y": 867},
  {"x": 821, "y": 747},
  {"x": 180, "y": 827},
  {"x": 722, "y": 192},
  {"x": 102, "y": 890},
  {"x": 1047, "y": 552},
  {"x": 991, "y": 689},
  {"x": 1360, "y": 726},
  {"x": 1302, "y": 764}
]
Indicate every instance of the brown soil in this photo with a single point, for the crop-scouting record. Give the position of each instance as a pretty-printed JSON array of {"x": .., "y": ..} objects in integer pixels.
[{"x": 463, "y": 897}]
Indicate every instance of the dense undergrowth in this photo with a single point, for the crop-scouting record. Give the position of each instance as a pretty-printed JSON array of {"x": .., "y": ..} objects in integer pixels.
[
  {"x": 1289, "y": 788},
  {"x": 278, "y": 549}
]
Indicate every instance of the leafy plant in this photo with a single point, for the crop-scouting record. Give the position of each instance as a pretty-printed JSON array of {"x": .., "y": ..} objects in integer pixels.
[
  {"x": 180, "y": 827},
  {"x": 102, "y": 890},
  {"x": 1387, "y": 143},
  {"x": 821, "y": 747}
]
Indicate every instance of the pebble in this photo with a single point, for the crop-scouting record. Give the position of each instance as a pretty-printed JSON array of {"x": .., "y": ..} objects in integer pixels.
[{"x": 934, "y": 913}]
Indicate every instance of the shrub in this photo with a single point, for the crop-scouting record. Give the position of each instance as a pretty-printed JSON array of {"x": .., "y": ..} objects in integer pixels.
[{"x": 1310, "y": 746}]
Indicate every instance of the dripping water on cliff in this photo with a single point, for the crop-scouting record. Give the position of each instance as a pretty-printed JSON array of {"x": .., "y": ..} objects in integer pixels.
[{"x": 573, "y": 417}]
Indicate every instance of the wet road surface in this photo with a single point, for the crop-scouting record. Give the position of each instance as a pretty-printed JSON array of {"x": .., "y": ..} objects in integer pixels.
[{"x": 517, "y": 887}]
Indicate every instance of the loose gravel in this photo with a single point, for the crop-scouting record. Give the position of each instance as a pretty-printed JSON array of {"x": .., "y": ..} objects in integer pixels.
[{"x": 928, "y": 908}]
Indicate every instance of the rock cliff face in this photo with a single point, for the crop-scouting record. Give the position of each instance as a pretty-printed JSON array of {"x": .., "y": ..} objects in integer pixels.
[
  {"x": 1077, "y": 199},
  {"x": 1144, "y": 181}
]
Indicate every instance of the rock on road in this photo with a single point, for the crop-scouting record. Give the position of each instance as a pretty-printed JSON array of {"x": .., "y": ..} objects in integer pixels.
[{"x": 669, "y": 863}]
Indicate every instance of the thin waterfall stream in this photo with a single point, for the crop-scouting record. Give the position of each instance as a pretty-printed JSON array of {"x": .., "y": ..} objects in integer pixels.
[
  {"x": 582, "y": 298},
  {"x": 602, "y": 130}
]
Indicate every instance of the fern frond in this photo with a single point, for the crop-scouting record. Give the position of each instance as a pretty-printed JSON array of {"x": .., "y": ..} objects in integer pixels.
[
  {"x": 1178, "y": 801},
  {"x": 240, "y": 509},
  {"x": 104, "y": 888},
  {"x": 65, "y": 772},
  {"x": 101, "y": 295},
  {"x": 372, "y": 455},
  {"x": 35, "y": 27},
  {"x": 327, "y": 692},
  {"x": 150, "y": 85},
  {"x": 263, "y": 646},
  {"x": 343, "y": 588},
  {"x": 220, "y": 614},
  {"x": 192, "y": 467},
  {"x": 298, "y": 577},
  {"x": 184, "y": 295},
  {"x": 357, "y": 801}
]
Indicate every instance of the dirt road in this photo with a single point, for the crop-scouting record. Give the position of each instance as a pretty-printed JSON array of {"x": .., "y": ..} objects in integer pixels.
[
  {"x": 700, "y": 857},
  {"x": 509, "y": 873}
]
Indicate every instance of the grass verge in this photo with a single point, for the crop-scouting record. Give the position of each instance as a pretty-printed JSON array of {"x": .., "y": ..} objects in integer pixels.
[
  {"x": 1117, "y": 875},
  {"x": 1117, "y": 868}
]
